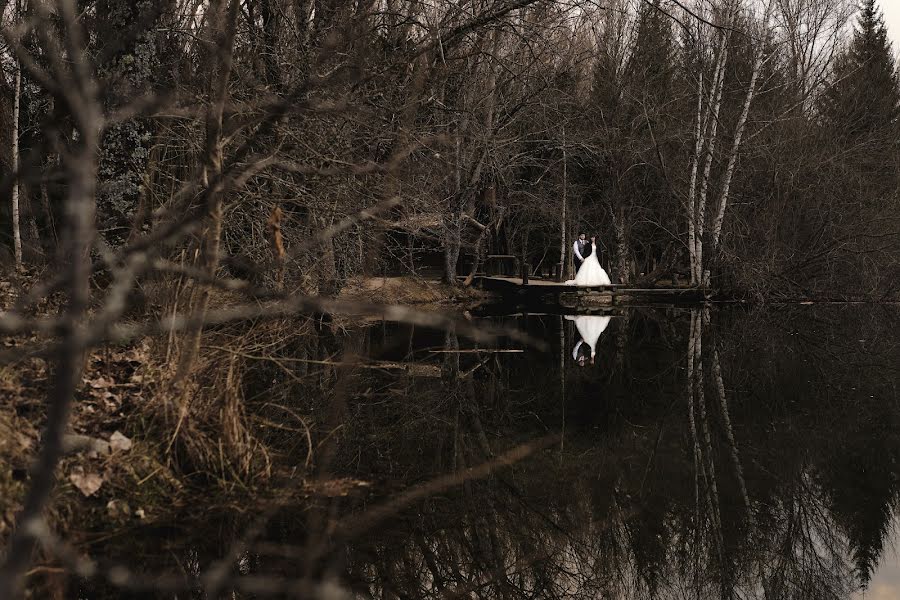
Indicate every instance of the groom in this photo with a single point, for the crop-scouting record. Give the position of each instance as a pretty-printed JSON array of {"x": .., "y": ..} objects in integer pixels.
[{"x": 580, "y": 249}]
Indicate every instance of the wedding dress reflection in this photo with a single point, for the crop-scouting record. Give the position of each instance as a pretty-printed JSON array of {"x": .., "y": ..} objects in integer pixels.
[{"x": 590, "y": 327}]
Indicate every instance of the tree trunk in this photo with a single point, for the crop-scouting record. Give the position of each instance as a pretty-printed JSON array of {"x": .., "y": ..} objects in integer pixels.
[
  {"x": 452, "y": 243},
  {"x": 563, "y": 355},
  {"x": 301, "y": 20},
  {"x": 735, "y": 147},
  {"x": 328, "y": 280},
  {"x": 713, "y": 122},
  {"x": 484, "y": 232},
  {"x": 692, "y": 421},
  {"x": 563, "y": 241},
  {"x": 51, "y": 221},
  {"x": 16, "y": 221},
  {"x": 692, "y": 187},
  {"x": 269, "y": 15},
  {"x": 221, "y": 58},
  {"x": 729, "y": 435},
  {"x": 621, "y": 246},
  {"x": 453, "y": 224}
]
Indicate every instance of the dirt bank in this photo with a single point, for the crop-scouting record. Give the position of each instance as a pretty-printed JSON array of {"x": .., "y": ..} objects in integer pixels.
[{"x": 410, "y": 291}]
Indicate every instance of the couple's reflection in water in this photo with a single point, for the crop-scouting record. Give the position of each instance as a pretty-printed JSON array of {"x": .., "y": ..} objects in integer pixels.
[{"x": 590, "y": 328}]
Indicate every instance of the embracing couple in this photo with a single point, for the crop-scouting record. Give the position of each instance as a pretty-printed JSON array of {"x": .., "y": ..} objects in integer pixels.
[{"x": 589, "y": 272}]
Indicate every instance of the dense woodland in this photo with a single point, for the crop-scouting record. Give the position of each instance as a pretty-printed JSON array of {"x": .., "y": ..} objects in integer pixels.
[
  {"x": 747, "y": 145},
  {"x": 194, "y": 192}
]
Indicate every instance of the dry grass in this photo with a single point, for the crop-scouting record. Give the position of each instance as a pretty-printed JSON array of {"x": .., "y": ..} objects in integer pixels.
[
  {"x": 203, "y": 424},
  {"x": 407, "y": 290},
  {"x": 241, "y": 421}
]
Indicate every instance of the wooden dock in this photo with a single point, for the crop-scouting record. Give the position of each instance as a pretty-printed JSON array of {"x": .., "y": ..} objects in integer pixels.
[{"x": 542, "y": 292}]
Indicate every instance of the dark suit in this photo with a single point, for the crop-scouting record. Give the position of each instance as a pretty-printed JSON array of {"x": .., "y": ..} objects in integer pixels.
[{"x": 584, "y": 248}]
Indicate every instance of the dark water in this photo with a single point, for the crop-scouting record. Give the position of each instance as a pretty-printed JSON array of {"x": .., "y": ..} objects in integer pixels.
[{"x": 721, "y": 453}]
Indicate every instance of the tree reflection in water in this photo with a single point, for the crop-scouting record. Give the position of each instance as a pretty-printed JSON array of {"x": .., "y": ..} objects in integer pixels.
[
  {"x": 706, "y": 453},
  {"x": 724, "y": 455}
]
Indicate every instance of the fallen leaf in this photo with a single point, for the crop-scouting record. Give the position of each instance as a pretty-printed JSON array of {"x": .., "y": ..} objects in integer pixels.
[
  {"x": 117, "y": 441},
  {"x": 100, "y": 383},
  {"x": 24, "y": 441},
  {"x": 73, "y": 443},
  {"x": 87, "y": 483},
  {"x": 117, "y": 509}
]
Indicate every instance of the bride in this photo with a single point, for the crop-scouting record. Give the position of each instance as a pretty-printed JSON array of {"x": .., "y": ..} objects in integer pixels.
[
  {"x": 590, "y": 273},
  {"x": 590, "y": 327}
]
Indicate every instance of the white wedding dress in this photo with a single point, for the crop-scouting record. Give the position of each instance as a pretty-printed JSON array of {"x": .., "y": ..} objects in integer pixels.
[
  {"x": 589, "y": 328},
  {"x": 590, "y": 273}
]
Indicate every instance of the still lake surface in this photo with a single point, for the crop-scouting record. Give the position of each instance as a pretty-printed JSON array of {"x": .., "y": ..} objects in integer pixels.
[{"x": 717, "y": 453}]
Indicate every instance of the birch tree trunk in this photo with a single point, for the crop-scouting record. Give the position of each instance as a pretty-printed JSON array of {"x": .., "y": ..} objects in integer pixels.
[
  {"x": 713, "y": 124},
  {"x": 692, "y": 421},
  {"x": 736, "y": 144},
  {"x": 729, "y": 435},
  {"x": 692, "y": 187}
]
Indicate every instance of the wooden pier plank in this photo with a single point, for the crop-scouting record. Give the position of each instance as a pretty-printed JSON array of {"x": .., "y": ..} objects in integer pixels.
[{"x": 544, "y": 291}]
